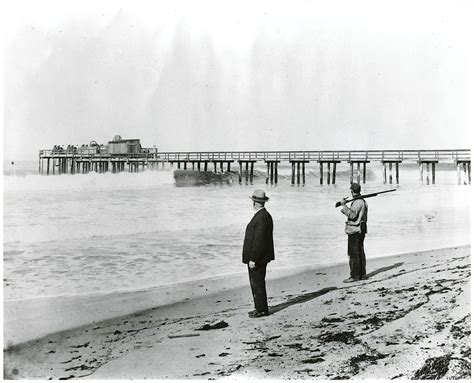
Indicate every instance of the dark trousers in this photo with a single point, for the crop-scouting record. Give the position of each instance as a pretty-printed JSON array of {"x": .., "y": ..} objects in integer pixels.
[
  {"x": 257, "y": 284},
  {"x": 355, "y": 250}
]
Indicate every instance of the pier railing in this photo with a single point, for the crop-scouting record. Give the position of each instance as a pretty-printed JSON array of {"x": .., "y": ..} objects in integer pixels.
[
  {"x": 325, "y": 155},
  {"x": 322, "y": 155}
]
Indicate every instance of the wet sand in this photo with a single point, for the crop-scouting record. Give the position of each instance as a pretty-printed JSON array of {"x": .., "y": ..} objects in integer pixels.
[{"x": 410, "y": 319}]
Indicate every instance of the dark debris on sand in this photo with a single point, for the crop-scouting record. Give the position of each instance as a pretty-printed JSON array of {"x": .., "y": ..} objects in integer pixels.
[
  {"x": 213, "y": 326},
  {"x": 346, "y": 337},
  {"x": 434, "y": 368},
  {"x": 459, "y": 329},
  {"x": 313, "y": 360},
  {"x": 356, "y": 360},
  {"x": 332, "y": 320},
  {"x": 444, "y": 367}
]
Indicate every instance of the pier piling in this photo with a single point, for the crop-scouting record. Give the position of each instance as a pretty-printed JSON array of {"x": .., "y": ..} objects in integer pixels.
[
  {"x": 464, "y": 178},
  {"x": 364, "y": 170},
  {"x": 298, "y": 169},
  {"x": 328, "y": 162},
  {"x": 429, "y": 164},
  {"x": 221, "y": 165},
  {"x": 272, "y": 171},
  {"x": 247, "y": 173},
  {"x": 390, "y": 164}
]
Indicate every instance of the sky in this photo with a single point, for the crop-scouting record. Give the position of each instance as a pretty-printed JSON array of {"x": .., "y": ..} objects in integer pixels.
[{"x": 238, "y": 75}]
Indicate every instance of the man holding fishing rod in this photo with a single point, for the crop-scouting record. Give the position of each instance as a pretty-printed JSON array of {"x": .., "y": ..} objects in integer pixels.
[{"x": 356, "y": 228}]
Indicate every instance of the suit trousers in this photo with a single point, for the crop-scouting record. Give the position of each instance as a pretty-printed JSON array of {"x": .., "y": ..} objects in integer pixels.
[
  {"x": 257, "y": 284},
  {"x": 355, "y": 250}
]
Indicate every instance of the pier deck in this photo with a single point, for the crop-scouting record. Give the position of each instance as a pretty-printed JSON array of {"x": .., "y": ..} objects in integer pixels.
[
  {"x": 316, "y": 155},
  {"x": 72, "y": 162}
]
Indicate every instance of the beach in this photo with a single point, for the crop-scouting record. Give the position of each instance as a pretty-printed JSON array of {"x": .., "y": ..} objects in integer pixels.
[
  {"x": 143, "y": 138},
  {"x": 409, "y": 320}
]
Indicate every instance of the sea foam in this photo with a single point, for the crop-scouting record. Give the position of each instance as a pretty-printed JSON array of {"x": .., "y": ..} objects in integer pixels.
[{"x": 87, "y": 182}]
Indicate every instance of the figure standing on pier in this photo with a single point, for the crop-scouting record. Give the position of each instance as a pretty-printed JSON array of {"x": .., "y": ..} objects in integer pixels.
[
  {"x": 258, "y": 251},
  {"x": 356, "y": 228}
]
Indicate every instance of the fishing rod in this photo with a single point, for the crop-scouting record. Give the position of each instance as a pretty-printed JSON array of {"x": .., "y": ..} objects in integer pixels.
[{"x": 366, "y": 196}]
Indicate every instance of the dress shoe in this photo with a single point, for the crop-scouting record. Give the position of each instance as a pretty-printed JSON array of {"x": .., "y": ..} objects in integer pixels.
[
  {"x": 259, "y": 314},
  {"x": 349, "y": 280}
]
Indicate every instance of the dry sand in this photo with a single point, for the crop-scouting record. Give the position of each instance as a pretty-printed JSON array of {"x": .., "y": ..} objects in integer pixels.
[{"x": 410, "y": 319}]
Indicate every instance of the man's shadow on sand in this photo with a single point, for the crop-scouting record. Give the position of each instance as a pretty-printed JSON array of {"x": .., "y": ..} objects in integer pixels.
[
  {"x": 309, "y": 296},
  {"x": 386, "y": 268}
]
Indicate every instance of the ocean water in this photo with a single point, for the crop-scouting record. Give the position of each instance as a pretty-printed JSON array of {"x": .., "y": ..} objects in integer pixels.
[{"x": 99, "y": 233}]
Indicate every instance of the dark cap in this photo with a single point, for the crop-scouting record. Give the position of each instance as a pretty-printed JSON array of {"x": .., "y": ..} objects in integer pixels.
[{"x": 355, "y": 187}]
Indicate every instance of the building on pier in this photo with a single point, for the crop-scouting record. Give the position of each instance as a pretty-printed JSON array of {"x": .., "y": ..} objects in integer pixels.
[{"x": 119, "y": 146}]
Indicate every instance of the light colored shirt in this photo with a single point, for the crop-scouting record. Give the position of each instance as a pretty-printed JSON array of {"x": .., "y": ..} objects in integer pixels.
[{"x": 357, "y": 213}]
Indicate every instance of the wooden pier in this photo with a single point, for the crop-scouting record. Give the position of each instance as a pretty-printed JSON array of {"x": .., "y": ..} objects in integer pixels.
[{"x": 73, "y": 163}]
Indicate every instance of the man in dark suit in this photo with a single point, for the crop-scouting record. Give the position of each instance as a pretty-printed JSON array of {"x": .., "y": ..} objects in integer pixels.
[{"x": 258, "y": 252}]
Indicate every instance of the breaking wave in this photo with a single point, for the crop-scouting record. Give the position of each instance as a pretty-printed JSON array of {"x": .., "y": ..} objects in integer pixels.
[{"x": 87, "y": 182}]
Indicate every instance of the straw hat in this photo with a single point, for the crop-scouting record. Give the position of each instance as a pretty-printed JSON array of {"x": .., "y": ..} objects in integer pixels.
[{"x": 259, "y": 196}]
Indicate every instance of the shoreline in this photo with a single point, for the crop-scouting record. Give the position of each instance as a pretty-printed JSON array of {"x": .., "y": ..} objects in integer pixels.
[
  {"x": 305, "y": 307},
  {"x": 39, "y": 318},
  {"x": 77, "y": 310},
  {"x": 281, "y": 270}
]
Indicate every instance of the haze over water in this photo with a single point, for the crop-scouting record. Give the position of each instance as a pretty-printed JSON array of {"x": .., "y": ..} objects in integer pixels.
[{"x": 97, "y": 233}]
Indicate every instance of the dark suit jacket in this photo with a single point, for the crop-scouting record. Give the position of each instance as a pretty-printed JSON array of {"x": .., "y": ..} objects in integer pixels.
[{"x": 258, "y": 242}]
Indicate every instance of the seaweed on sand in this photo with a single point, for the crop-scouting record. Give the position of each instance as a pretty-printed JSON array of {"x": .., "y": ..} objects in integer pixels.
[
  {"x": 440, "y": 367},
  {"x": 346, "y": 337},
  {"x": 356, "y": 360},
  {"x": 434, "y": 368}
]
